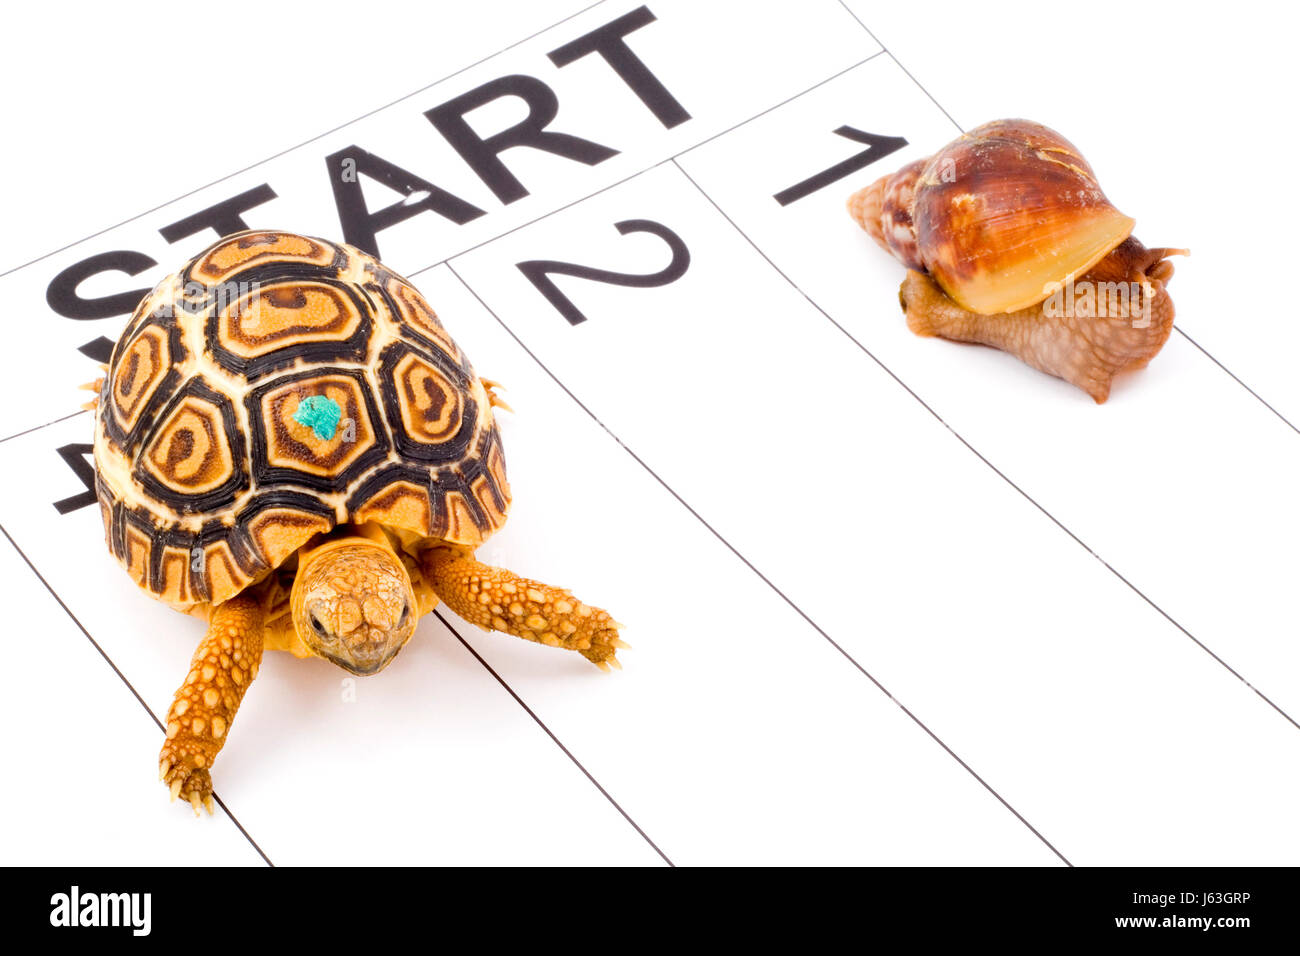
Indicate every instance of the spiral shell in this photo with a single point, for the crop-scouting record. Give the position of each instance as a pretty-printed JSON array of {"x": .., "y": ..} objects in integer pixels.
[{"x": 999, "y": 218}]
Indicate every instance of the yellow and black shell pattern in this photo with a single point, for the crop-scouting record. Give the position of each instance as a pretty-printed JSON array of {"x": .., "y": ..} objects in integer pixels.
[{"x": 275, "y": 387}]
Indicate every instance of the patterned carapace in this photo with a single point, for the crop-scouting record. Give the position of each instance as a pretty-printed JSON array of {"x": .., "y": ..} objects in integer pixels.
[{"x": 206, "y": 479}]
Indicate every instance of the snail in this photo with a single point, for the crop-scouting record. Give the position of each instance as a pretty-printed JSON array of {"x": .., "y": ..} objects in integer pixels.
[{"x": 1010, "y": 242}]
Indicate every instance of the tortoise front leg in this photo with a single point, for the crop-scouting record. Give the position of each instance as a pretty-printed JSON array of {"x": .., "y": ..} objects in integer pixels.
[
  {"x": 222, "y": 668},
  {"x": 497, "y": 599}
]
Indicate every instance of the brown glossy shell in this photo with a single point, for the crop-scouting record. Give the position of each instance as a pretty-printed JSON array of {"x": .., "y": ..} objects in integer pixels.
[
  {"x": 206, "y": 481},
  {"x": 999, "y": 217}
]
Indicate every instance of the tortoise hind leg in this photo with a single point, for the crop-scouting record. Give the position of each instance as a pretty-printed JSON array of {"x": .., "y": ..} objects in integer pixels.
[
  {"x": 500, "y": 600},
  {"x": 96, "y": 386},
  {"x": 495, "y": 400},
  {"x": 205, "y": 705}
]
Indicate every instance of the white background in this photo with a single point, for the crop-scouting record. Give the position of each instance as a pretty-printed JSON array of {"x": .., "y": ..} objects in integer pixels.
[{"x": 1070, "y": 605}]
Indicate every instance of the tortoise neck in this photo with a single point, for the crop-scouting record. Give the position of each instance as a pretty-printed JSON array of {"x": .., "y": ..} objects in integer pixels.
[{"x": 344, "y": 535}]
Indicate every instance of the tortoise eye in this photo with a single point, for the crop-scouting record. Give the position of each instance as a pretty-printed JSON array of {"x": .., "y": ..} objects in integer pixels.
[
  {"x": 406, "y": 613},
  {"x": 318, "y": 627}
]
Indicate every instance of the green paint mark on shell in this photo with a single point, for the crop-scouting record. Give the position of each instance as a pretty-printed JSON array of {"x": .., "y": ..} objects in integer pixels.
[{"x": 320, "y": 414}]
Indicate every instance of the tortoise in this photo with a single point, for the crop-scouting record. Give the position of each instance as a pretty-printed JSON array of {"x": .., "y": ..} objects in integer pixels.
[{"x": 289, "y": 444}]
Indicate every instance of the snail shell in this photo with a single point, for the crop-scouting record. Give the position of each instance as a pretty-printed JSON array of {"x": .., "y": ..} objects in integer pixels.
[
  {"x": 999, "y": 218},
  {"x": 999, "y": 227}
]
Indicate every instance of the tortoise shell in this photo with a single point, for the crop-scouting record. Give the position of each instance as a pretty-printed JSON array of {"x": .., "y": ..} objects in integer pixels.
[{"x": 209, "y": 472}]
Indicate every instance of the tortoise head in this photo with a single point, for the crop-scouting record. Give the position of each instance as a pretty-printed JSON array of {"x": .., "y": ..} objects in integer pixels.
[{"x": 353, "y": 603}]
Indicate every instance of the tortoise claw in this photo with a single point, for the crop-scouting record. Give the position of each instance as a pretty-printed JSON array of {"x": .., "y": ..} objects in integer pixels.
[
  {"x": 604, "y": 644},
  {"x": 494, "y": 399},
  {"x": 191, "y": 784}
]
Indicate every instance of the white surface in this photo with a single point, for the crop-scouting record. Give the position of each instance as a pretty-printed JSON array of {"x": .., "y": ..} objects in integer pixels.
[{"x": 763, "y": 484}]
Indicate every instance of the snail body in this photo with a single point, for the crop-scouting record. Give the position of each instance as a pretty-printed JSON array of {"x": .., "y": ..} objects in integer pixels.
[{"x": 994, "y": 227}]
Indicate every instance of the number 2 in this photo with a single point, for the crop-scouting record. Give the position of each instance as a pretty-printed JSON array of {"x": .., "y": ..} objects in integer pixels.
[{"x": 539, "y": 271}]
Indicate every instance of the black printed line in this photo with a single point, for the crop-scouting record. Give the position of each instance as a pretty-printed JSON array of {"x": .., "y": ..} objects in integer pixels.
[
  {"x": 848, "y": 69},
  {"x": 36, "y": 428},
  {"x": 749, "y": 564},
  {"x": 1136, "y": 590},
  {"x": 129, "y": 686},
  {"x": 541, "y": 723},
  {"x": 306, "y": 142},
  {"x": 547, "y": 215},
  {"x": 886, "y": 49},
  {"x": 1258, "y": 397}
]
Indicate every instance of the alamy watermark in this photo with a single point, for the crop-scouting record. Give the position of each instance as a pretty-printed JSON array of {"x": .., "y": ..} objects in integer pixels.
[
  {"x": 196, "y": 297},
  {"x": 1130, "y": 301},
  {"x": 76, "y": 908}
]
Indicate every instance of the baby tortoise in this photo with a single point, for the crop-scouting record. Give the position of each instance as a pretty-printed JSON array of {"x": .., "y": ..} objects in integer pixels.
[{"x": 289, "y": 444}]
